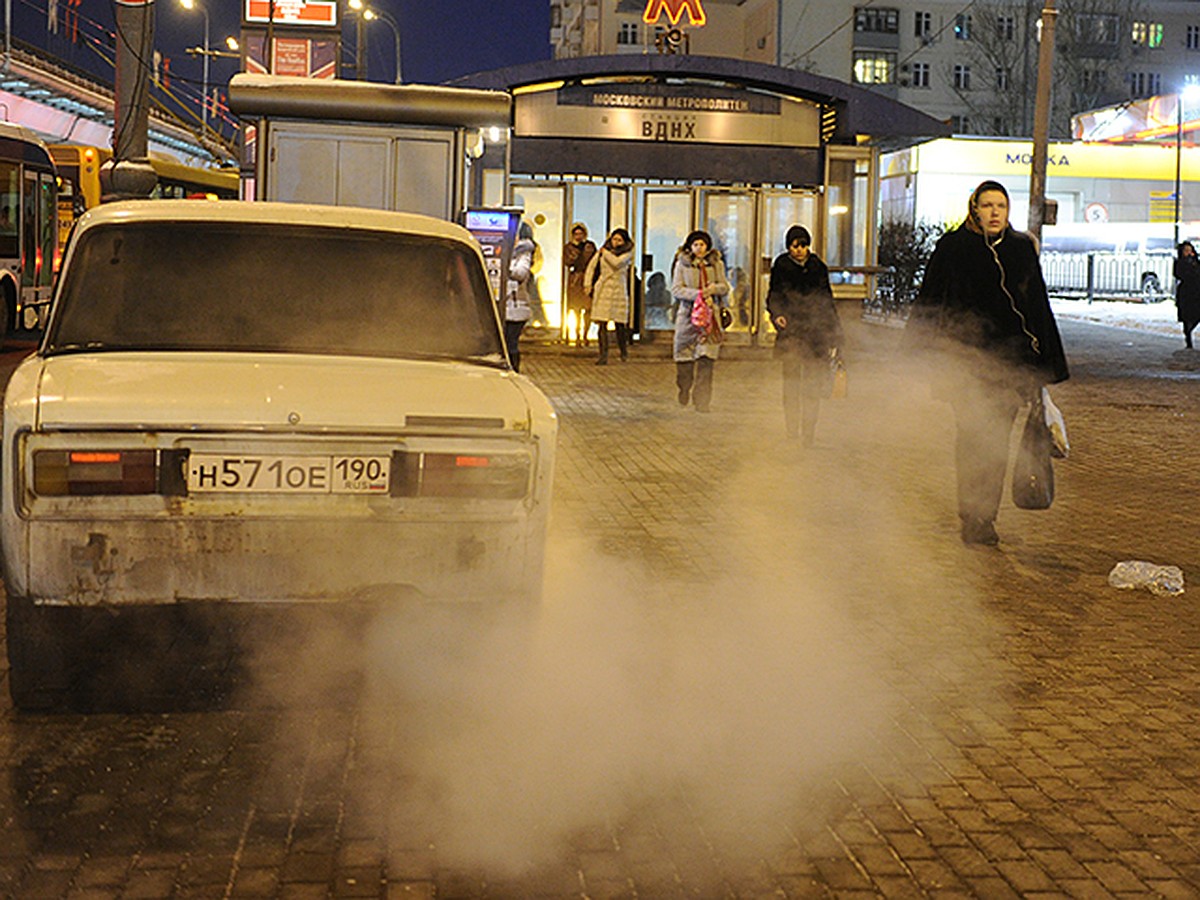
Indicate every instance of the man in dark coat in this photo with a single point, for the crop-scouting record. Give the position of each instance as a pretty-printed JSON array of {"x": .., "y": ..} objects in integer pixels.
[
  {"x": 809, "y": 333},
  {"x": 983, "y": 306}
]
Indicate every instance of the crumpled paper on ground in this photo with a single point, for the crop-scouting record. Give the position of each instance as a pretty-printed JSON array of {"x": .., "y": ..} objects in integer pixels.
[{"x": 1163, "y": 581}]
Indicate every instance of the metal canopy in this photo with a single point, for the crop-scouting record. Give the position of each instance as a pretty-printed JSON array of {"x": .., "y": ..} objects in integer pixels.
[
  {"x": 363, "y": 101},
  {"x": 861, "y": 113}
]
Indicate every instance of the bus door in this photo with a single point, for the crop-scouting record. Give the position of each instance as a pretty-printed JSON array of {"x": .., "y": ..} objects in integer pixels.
[{"x": 39, "y": 236}]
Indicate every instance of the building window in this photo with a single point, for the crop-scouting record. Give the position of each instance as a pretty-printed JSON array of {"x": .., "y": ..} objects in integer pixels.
[
  {"x": 920, "y": 75},
  {"x": 1148, "y": 34},
  {"x": 962, "y": 27},
  {"x": 1006, "y": 27},
  {"x": 883, "y": 21},
  {"x": 962, "y": 77},
  {"x": 1193, "y": 37},
  {"x": 873, "y": 67},
  {"x": 923, "y": 25},
  {"x": 1144, "y": 84},
  {"x": 1002, "y": 78},
  {"x": 960, "y": 124},
  {"x": 628, "y": 33},
  {"x": 1097, "y": 29}
]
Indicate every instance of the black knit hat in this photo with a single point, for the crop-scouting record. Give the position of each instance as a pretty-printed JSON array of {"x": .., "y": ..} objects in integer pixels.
[{"x": 798, "y": 233}]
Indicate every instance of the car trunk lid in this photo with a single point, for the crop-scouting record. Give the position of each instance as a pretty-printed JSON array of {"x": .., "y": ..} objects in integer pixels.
[{"x": 264, "y": 392}]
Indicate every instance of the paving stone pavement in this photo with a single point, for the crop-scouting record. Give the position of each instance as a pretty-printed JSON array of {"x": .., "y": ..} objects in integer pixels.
[{"x": 761, "y": 671}]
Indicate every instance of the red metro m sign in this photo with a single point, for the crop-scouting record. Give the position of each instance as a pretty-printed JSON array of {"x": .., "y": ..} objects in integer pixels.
[{"x": 674, "y": 10}]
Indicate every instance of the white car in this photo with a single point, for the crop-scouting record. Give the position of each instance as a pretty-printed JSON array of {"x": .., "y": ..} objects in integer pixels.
[{"x": 260, "y": 403}]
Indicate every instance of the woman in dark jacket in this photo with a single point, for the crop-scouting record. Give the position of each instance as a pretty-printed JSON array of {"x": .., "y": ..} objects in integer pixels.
[
  {"x": 1187, "y": 290},
  {"x": 808, "y": 331},
  {"x": 983, "y": 305}
]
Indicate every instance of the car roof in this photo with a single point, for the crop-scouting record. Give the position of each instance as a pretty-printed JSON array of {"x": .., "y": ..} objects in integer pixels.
[{"x": 267, "y": 212}]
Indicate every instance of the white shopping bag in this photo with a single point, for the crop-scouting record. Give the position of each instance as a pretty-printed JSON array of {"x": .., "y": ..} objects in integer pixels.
[{"x": 1057, "y": 426}]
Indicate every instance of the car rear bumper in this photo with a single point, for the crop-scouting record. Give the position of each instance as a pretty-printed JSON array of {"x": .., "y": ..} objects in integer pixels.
[{"x": 117, "y": 562}]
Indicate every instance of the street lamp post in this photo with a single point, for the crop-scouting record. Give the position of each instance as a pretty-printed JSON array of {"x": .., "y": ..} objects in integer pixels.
[
  {"x": 1187, "y": 94},
  {"x": 360, "y": 39},
  {"x": 386, "y": 18},
  {"x": 1178, "y": 157},
  {"x": 192, "y": 4}
]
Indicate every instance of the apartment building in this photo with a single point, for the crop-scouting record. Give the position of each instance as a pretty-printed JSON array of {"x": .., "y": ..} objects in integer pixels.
[{"x": 972, "y": 64}]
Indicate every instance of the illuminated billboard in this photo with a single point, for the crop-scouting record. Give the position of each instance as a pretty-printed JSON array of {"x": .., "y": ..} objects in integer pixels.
[{"x": 291, "y": 13}]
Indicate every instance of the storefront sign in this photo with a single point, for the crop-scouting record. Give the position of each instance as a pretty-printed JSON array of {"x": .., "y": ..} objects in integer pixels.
[
  {"x": 668, "y": 113},
  {"x": 1075, "y": 159},
  {"x": 292, "y": 13},
  {"x": 674, "y": 10}
]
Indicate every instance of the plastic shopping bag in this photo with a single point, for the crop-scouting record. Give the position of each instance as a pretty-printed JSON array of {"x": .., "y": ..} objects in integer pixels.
[{"x": 1061, "y": 448}]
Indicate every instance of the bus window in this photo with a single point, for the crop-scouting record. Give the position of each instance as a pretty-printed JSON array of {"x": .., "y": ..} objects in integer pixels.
[
  {"x": 10, "y": 204},
  {"x": 29, "y": 231}
]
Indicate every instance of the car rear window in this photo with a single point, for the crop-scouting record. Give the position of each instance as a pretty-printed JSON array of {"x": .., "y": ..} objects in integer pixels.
[{"x": 258, "y": 287}]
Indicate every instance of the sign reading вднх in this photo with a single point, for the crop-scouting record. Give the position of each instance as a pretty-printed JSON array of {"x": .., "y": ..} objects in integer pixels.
[{"x": 674, "y": 10}]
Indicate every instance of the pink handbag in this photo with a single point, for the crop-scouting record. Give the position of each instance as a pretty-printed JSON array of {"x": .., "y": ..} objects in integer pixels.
[{"x": 701, "y": 313}]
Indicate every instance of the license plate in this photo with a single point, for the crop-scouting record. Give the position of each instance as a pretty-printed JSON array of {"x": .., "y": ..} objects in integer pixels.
[{"x": 216, "y": 473}]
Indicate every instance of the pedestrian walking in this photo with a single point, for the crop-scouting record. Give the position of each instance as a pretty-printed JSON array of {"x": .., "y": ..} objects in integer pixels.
[
  {"x": 1187, "y": 290},
  {"x": 607, "y": 278},
  {"x": 809, "y": 334},
  {"x": 698, "y": 279},
  {"x": 983, "y": 318},
  {"x": 517, "y": 307},
  {"x": 577, "y": 255}
]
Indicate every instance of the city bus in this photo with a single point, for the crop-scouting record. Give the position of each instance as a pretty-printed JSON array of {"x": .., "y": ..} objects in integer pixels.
[
  {"x": 79, "y": 182},
  {"x": 28, "y": 227}
]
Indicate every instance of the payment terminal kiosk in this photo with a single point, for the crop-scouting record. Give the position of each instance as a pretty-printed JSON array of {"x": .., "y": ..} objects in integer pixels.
[{"x": 496, "y": 231}]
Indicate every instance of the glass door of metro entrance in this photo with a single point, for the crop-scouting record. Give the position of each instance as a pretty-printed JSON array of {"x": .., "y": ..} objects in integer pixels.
[{"x": 666, "y": 220}]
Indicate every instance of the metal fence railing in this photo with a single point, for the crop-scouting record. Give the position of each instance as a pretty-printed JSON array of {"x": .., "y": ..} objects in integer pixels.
[{"x": 1145, "y": 275}]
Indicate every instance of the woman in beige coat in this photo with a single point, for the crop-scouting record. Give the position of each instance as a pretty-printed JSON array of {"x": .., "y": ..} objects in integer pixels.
[{"x": 607, "y": 279}]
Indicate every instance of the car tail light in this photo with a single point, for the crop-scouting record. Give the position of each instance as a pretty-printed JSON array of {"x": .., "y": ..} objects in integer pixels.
[
  {"x": 76, "y": 473},
  {"x": 499, "y": 476}
]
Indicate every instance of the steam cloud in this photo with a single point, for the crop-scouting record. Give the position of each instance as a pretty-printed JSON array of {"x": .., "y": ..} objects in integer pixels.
[{"x": 734, "y": 689}]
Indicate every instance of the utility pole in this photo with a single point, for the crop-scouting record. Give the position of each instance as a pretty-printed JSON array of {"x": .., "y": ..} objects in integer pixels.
[
  {"x": 1041, "y": 123},
  {"x": 129, "y": 173}
]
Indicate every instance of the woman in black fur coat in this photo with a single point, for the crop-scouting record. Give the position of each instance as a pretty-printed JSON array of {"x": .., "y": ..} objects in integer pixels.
[{"x": 984, "y": 310}]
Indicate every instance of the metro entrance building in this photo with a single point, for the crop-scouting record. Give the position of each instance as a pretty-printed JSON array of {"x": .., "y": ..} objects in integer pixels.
[{"x": 662, "y": 144}]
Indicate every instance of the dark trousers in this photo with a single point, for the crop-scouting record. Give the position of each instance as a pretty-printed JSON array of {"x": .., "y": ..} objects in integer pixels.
[
  {"x": 695, "y": 379},
  {"x": 622, "y": 340},
  {"x": 1188, "y": 328},
  {"x": 804, "y": 379},
  {"x": 984, "y": 419},
  {"x": 512, "y": 340}
]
